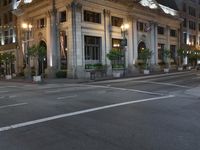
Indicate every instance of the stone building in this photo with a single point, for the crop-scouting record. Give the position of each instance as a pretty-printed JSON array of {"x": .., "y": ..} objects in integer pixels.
[
  {"x": 8, "y": 31},
  {"x": 80, "y": 32},
  {"x": 190, "y": 30}
]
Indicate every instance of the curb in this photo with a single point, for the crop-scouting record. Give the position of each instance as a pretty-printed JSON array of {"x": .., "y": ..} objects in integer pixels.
[{"x": 105, "y": 80}]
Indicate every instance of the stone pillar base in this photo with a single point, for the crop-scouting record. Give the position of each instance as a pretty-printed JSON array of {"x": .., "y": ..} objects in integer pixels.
[
  {"x": 155, "y": 67},
  {"x": 132, "y": 70},
  {"x": 27, "y": 72},
  {"x": 50, "y": 72},
  {"x": 109, "y": 70}
]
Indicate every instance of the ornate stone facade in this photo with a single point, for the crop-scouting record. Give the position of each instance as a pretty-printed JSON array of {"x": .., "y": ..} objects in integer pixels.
[{"x": 88, "y": 29}]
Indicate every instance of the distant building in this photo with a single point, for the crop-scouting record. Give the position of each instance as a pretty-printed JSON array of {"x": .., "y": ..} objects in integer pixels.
[
  {"x": 190, "y": 26},
  {"x": 8, "y": 32},
  {"x": 80, "y": 33}
]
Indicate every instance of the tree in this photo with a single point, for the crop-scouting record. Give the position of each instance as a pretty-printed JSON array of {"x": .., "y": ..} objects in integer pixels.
[
  {"x": 8, "y": 58},
  {"x": 167, "y": 56},
  {"x": 145, "y": 55},
  {"x": 115, "y": 56},
  {"x": 182, "y": 53},
  {"x": 38, "y": 53}
]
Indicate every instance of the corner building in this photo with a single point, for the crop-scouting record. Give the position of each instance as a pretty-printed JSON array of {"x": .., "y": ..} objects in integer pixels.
[{"x": 81, "y": 32}]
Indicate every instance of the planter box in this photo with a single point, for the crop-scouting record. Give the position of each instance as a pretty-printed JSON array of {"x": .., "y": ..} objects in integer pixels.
[
  {"x": 8, "y": 77},
  {"x": 116, "y": 74},
  {"x": 37, "y": 78},
  {"x": 146, "y": 71},
  {"x": 180, "y": 68},
  {"x": 166, "y": 70},
  {"x": 189, "y": 68}
]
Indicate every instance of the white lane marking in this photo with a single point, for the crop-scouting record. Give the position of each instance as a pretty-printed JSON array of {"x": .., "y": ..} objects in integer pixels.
[
  {"x": 24, "y": 124},
  {"x": 13, "y": 105},
  {"x": 12, "y": 96},
  {"x": 170, "y": 75},
  {"x": 10, "y": 86},
  {"x": 53, "y": 91},
  {"x": 66, "y": 97},
  {"x": 3, "y": 91},
  {"x": 124, "y": 89},
  {"x": 82, "y": 87},
  {"x": 163, "y": 83}
]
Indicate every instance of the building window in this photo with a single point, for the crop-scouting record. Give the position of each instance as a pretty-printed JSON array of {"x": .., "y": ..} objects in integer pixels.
[
  {"x": 192, "y": 11},
  {"x": 92, "y": 49},
  {"x": 11, "y": 36},
  {"x": 185, "y": 38},
  {"x": 192, "y": 25},
  {"x": 199, "y": 40},
  {"x": 185, "y": 22},
  {"x": 116, "y": 21},
  {"x": 173, "y": 33},
  {"x": 63, "y": 16},
  {"x": 5, "y": 19},
  {"x": 5, "y": 2},
  {"x": 6, "y": 38},
  {"x": 90, "y": 16},
  {"x": 192, "y": 40},
  {"x": 10, "y": 17},
  {"x": 199, "y": 26},
  {"x": 161, "y": 30},
  {"x": 141, "y": 26},
  {"x": 0, "y": 38},
  {"x": 41, "y": 23},
  {"x": 173, "y": 52},
  {"x": 184, "y": 7},
  {"x": 116, "y": 44},
  {"x": 160, "y": 51}
]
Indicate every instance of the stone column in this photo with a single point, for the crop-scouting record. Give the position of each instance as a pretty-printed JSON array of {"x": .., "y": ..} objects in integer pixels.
[
  {"x": 168, "y": 37},
  {"x": 48, "y": 40},
  {"x": 107, "y": 36},
  {"x": 53, "y": 55},
  {"x": 130, "y": 45},
  {"x": 135, "y": 41},
  {"x": 75, "y": 49},
  {"x": 154, "y": 46}
]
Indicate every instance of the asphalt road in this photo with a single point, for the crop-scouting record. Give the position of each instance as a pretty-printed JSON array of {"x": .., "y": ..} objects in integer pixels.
[{"x": 151, "y": 113}]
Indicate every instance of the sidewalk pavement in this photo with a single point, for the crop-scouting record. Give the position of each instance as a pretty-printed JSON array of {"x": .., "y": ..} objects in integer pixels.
[{"x": 105, "y": 79}]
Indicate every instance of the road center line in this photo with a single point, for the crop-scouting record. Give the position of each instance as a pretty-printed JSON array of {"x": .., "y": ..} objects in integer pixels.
[
  {"x": 13, "y": 105},
  {"x": 3, "y": 91},
  {"x": 66, "y": 97},
  {"x": 125, "y": 89},
  {"x": 163, "y": 83},
  {"x": 24, "y": 124}
]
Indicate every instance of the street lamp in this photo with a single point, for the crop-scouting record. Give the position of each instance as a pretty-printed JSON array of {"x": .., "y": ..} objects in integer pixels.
[{"x": 124, "y": 32}]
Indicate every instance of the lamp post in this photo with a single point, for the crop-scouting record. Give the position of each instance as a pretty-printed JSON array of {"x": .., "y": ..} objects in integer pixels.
[{"x": 124, "y": 32}]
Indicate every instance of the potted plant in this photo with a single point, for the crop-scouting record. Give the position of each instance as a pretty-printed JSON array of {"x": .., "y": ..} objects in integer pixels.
[
  {"x": 116, "y": 57},
  {"x": 145, "y": 55},
  {"x": 182, "y": 54},
  {"x": 8, "y": 58},
  {"x": 37, "y": 53},
  {"x": 167, "y": 55}
]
